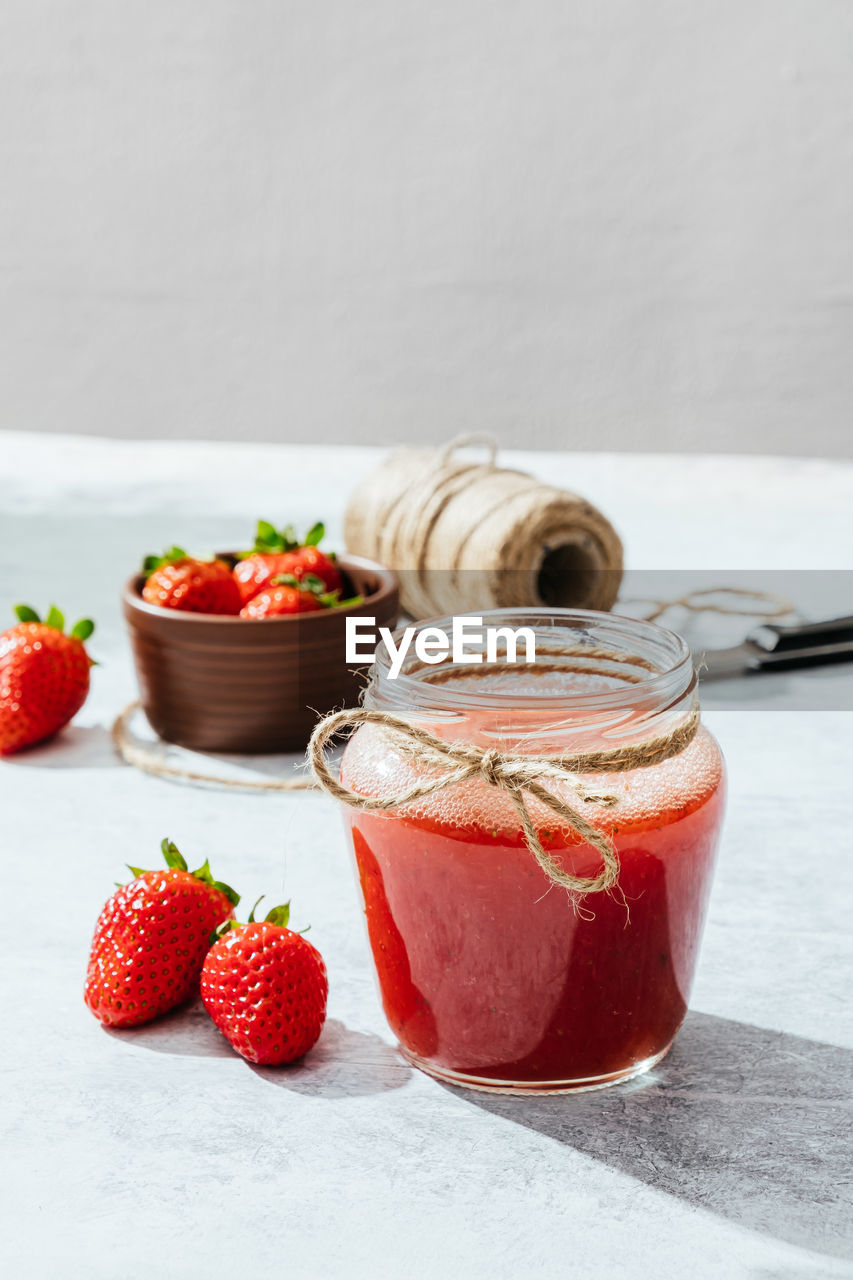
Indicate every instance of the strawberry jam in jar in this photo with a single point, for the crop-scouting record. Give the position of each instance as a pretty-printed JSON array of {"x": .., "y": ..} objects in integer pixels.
[{"x": 492, "y": 975}]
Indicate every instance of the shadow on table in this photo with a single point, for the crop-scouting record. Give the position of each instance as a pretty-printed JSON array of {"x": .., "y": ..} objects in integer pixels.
[
  {"x": 344, "y": 1063},
  {"x": 75, "y": 747},
  {"x": 185, "y": 1033},
  {"x": 753, "y": 1125}
]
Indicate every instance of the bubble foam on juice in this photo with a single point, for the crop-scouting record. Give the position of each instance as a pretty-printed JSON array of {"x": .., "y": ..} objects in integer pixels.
[{"x": 646, "y": 797}]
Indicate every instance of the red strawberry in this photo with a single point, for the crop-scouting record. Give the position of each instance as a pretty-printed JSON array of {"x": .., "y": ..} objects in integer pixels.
[
  {"x": 265, "y": 987},
  {"x": 151, "y": 939},
  {"x": 44, "y": 677},
  {"x": 277, "y": 552},
  {"x": 288, "y": 595},
  {"x": 281, "y": 600},
  {"x": 255, "y": 573},
  {"x": 307, "y": 561},
  {"x": 178, "y": 581}
]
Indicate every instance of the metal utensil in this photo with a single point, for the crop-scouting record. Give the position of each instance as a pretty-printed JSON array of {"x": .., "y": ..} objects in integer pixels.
[{"x": 773, "y": 648}]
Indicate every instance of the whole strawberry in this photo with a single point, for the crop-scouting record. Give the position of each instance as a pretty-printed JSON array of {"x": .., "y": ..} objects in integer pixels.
[
  {"x": 44, "y": 677},
  {"x": 282, "y": 598},
  {"x": 265, "y": 987},
  {"x": 286, "y": 594},
  {"x": 280, "y": 552},
  {"x": 311, "y": 560},
  {"x": 151, "y": 939},
  {"x": 178, "y": 581}
]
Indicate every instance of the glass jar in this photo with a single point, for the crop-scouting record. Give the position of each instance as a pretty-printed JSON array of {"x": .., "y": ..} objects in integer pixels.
[{"x": 491, "y": 975}]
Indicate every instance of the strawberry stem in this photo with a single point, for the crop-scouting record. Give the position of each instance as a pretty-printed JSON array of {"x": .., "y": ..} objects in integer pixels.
[
  {"x": 56, "y": 620},
  {"x": 278, "y": 916},
  {"x": 172, "y": 556},
  {"x": 83, "y": 629},
  {"x": 175, "y": 859},
  {"x": 172, "y": 854},
  {"x": 272, "y": 541}
]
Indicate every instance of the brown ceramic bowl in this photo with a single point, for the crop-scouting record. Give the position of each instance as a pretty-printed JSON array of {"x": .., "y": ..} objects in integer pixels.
[{"x": 254, "y": 686}]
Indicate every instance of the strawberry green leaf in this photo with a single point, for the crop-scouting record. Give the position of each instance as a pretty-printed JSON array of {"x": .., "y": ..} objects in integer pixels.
[
  {"x": 285, "y": 580},
  {"x": 272, "y": 541},
  {"x": 24, "y": 613},
  {"x": 173, "y": 856},
  {"x": 83, "y": 629},
  {"x": 251, "y": 919},
  {"x": 55, "y": 619},
  {"x": 230, "y": 894},
  {"x": 136, "y": 872},
  {"x": 221, "y": 930},
  {"x": 279, "y": 916},
  {"x": 172, "y": 556},
  {"x": 268, "y": 541},
  {"x": 313, "y": 583},
  {"x": 346, "y": 604},
  {"x": 204, "y": 874}
]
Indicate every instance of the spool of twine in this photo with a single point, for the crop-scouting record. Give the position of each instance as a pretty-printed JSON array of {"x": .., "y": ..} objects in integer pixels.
[{"x": 468, "y": 535}]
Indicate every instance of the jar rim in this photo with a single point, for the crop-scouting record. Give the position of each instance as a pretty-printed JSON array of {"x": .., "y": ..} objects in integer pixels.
[{"x": 671, "y": 676}]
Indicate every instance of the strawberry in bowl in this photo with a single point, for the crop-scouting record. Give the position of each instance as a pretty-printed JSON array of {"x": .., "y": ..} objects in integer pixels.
[
  {"x": 177, "y": 580},
  {"x": 287, "y": 594},
  {"x": 277, "y": 552}
]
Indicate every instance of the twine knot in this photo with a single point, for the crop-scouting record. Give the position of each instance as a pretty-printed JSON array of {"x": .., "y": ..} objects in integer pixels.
[
  {"x": 490, "y": 768},
  {"x": 517, "y": 774}
]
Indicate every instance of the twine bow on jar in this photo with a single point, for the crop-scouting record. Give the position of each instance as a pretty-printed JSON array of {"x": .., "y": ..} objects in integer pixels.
[{"x": 518, "y": 774}]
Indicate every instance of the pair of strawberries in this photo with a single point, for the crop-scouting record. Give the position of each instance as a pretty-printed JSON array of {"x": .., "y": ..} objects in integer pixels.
[
  {"x": 168, "y": 933},
  {"x": 281, "y": 575}
]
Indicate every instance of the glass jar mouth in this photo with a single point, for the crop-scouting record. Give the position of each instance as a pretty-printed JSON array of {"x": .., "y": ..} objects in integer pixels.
[{"x": 651, "y": 666}]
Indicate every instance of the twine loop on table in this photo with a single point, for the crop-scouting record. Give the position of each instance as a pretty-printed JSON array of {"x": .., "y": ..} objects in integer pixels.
[
  {"x": 704, "y": 600},
  {"x": 518, "y": 774},
  {"x": 147, "y": 756}
]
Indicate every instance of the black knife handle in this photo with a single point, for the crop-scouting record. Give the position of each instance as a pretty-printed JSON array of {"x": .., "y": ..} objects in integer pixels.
[{"x": 805, "y": 644}]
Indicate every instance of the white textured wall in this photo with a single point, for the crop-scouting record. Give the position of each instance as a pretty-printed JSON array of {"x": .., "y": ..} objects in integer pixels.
[{"x": 577, "y": 222}]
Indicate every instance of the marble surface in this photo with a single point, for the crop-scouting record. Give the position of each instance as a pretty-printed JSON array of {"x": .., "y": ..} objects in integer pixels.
[{"x": 161, "y": 1153}]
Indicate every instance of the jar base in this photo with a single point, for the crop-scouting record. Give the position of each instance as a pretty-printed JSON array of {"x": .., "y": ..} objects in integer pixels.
[{"x": 546, "y": 1088}]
